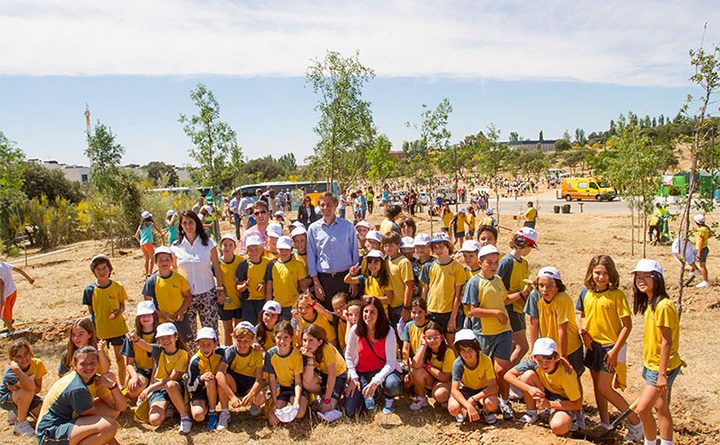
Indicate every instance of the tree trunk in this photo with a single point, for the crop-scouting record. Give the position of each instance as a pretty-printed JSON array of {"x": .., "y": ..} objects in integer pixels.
[
  {"x": 632, "y": 230},
  {"x": 645, "y": 228}
]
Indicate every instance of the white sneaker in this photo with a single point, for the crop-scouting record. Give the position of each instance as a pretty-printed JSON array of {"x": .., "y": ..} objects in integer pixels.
[
  {"x": 11, "y": 417},
  {"x": 697, "y": 272},
  {"x": 24, "y": 429},
  {"x": 223, "y": 420},
  {"x": 529, "y": 417},
  {"x": 506, "y": 410},
  {"x": 185, "y": 425},
  {"x": 459, "y": 418},
  {"x": 388, "y": 406},
  {"x": 419, "y": 403},
  {"x": 634, "y": 434},
  {"x": 702, "y": 284}
]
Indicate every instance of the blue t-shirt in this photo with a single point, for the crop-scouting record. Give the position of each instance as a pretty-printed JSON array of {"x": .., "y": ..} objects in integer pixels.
[{"x": 67, "y": 398}]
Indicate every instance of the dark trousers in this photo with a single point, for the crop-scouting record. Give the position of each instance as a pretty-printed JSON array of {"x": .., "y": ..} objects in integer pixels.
[
  {"x": 236, "y": 222},
  {"x": 332, "y": 284}
]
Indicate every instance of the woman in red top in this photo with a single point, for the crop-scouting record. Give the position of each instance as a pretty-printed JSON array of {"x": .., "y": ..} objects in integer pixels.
[{"x": 371, "y": 360}]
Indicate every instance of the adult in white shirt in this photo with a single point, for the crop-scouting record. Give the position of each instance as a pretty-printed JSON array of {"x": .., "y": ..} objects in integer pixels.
[{"x": 193, "y": 254}]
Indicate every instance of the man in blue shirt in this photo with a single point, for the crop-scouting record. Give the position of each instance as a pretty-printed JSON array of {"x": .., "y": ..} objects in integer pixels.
[{"x": 331, "y": 250}]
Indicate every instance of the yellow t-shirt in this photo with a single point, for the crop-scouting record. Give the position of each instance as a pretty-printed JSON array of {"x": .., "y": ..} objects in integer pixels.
[
  {"x": 372, "y": 286},
  {"x": 330, "y": 355},
  {"x": 286, "y": 278},
  {"x": 302, "y": 258},
  {"x": 487, "y": 294},
  {"x": 460, "y": 223},
  {"x": 442, "y": 279},
  {"x": 552, "y": 314},
  {"x": 703, "y": 235},
  {"x": 105, "y": 300},
  {"x": 167, "y": 292},
  {"x": 665, "y": 315},
  {"x": 470, "y": 221},
  {"x": 228, "y": 271},
  {"x": 166, "y": 363},
  {"x": 324, "y": 323},
  {"x": 36, "y": 370},
  {"x": 485, "y": 221},
  {"x": 401, "y": 272},
  {"x": 446, "y": 364},
  {"x": 413, "y": 335},
  {"x": 446, "y": 218},
  {"x": 247, "y": 364},
  {"x": 531, "y": 214},
  {"x": 513, "y": 272},
  {"x": 285, "y": 368},
  {"x": 475, "y": 378},
  {"x": 255, "y": 276},
  {"x": 603, "y": 313},
  {"x": 143, "y": 359},
  {"x": 271, "y": 255},
  {"x": 342, "y": 332},
  {"x": 561, "y": 381}
]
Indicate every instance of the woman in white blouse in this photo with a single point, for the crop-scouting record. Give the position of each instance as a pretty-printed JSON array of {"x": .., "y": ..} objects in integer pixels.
[{"x": 194, "y": 253}]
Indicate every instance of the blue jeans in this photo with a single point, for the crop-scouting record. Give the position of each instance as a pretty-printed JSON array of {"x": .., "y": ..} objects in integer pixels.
[
  {"x": 342, "y": 213},
  {"x": 391, "y": 387}
]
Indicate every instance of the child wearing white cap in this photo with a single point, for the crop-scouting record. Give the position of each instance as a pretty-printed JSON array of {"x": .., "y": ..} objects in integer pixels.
[
  {"x": 442, "y": 281},
  {"x": 171, "y": 363},
  {"x": 547, "y": 382},
  {"x": 484, "y": 299},
  {"x": 514, "y": 270},
  {"x": 202, "y": 384},
  {"x": 274, "y": 232},
  {"x": 701, "y": 246},
  {"x": 362, "y": 228},
  {"x": 285, "y": 278},
  {"x": 375, "y": 282},
  {"x": 139, "y": 363},
  {"x": 402, "y": 279},
  {"x": 422, "y": 256},
  {"x": 269, "y": 316},
  {"x": 240, "y": 374},
  {"x": 250, "y": 279},
  {"x": 229, "y": 313},
  {"x": 299, "y": 239},
  {"x": 661, "y": 357}
]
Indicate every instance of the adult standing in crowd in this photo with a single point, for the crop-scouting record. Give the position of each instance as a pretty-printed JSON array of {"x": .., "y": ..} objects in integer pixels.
[
  {"x": 236, "y": 211},
  {"x": 331, "y": 250},
  {"x": 194, "y": 253},
  {"x": 370, "y": 198},
  {"x": 531, "y": 215},
  {"x": 392, "y": 212},
  {"x": 306, "y": 212},
  {"x": 262, "y": 218}
]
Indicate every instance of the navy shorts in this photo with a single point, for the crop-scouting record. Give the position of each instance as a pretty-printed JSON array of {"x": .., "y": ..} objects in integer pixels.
[
  {"x": 228, "y": 314},
  {"x": 444, "y": 318},
  {"x": 56, "y": 434},
  {"x": 147, "y": 373},
  {"x": 161, "y": 395},
  {"x": 703, "y": 254},
  {"x": 576, "y": 360},
  {"x": 497, "y": 346},
  {"x": 243, "y": 383},
  {"x": 115, "y": 341},
  {"x": 9, "y": 405},
  {"x": 469, "y": 392},
  {"x": 459, "y": 234},
  {"x": 339, "y": 388},
  {"x": 517, "y": 320}
]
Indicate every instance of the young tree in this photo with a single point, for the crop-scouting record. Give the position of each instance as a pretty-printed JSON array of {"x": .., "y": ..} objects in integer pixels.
[
  {"x": 345, "y": 127},
  {"x": 162, "y": 174},
  {"x": 707, "y": 76},
  {"x": 105, "y": 155},
  {"x": 381, "y": 164},
  {"x": 491, "y": 159},
  {"x": 213, "y": 139},
  {"x": 12, "y": 164}
]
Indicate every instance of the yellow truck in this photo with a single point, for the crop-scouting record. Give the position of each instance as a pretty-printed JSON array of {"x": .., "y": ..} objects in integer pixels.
[{"x": 588, "y": 188}]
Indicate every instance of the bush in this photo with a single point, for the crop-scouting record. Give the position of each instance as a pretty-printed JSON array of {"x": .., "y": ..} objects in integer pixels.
[
  {"x": 53, "y": 223},
  {"x": 674, "y": 190}
]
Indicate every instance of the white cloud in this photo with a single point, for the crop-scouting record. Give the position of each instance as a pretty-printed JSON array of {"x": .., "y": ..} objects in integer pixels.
[{"x": 620, "y": 42}]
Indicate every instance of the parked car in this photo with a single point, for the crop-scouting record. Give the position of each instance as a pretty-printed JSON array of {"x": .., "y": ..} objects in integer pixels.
[{"x": 424, "y": 198}]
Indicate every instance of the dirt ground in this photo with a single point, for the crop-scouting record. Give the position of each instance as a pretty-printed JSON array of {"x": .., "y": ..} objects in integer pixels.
[{"x": 566, "y": 241}]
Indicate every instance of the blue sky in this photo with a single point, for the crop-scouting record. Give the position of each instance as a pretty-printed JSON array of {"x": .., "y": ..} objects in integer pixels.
[{"x": 526, "y": 66}]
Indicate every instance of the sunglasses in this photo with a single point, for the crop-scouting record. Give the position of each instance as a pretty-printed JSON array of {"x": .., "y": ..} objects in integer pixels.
[{"x": 260, "y": 212}]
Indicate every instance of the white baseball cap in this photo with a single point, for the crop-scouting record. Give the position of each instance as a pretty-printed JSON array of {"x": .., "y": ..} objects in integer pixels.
[
  {"x": 490, "y": 211},
  {"x": 206, "y": 332},
  {"x": 165, "y": 329},
  {"x": 375, "y": 254},
  {"x": 461, "y": 210},
  {"x": 406, "y": 242},
  {"x": 362, "y": 223},
  {"x": 247, "y": 325},
  {"x": 287, "y": 413},
  {"x": 208, "y": 209},
  {"x": 253, "y": 240},
  {"x": 487, "y": 250},
  {"x": 145, "y": 214},
  {"x": 163, "y": 249},
  {"x": 274, "y": 230},
  {"x": 544, "y": 346},
  {"x": 647, "y": 265},
  {"x": 297, "y": 224},
  {"x": 529, "y": 235},
  {"x": 284, "y": 242},
  {"x": 170, "y": 212},
  {"x": 470, "y": 246},
  {"x": 298, "y": 231},
  {"x": 464, "y": 335},
  {"x": 280, "y": 213},
  {"x": 549, "y": 271},
  {"x": 421, "y": 239},
  {"x": 374, "y": 235},
  {"x": 229, "y": 236},
  {"x": 440, "y": 237},
  {"x": 146, "y": 307},
  {"x": 249, "y": 206},
  {"x": 699, "y": 218},
  {"x": 272, "y": 307}
]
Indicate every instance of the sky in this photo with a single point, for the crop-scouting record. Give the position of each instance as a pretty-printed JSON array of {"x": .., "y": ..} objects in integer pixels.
[{"x": 525, "y": 66}]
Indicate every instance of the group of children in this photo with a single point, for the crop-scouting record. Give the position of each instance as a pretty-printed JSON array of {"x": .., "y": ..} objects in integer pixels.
[{"x": 462, "y": 326}]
